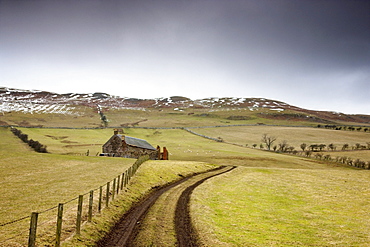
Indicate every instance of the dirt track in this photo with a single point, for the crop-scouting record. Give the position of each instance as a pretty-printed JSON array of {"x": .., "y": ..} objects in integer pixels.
[{"x": 130, "y": 225}]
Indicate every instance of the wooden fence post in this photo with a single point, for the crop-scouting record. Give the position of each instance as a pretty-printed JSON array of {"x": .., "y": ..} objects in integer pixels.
[
  {"x": 79, "y": 214},
  {"x": 122, "y": 180},
  {"x": 113, "y": 189},
  {"x": 118, "y": 183},
  {"x": 59, "y": 225},
  {"x": 33, "y": 228},
  {"x": 129, "y": 173},
  {"x": 107, "y": 195},
  {"x": 100, "y": 198},
  {"x": 91, "y": 201},
  {"x": 126, "y": 178}
]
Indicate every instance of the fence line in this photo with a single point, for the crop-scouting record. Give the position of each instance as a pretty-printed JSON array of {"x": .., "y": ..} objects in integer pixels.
[
  {"x": 85, "y": 211},
  {"x": 343, "y": 160}
]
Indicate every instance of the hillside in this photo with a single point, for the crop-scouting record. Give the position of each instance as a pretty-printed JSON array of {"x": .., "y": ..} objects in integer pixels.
[
  {"x": 216, "y": 110},
  {"x": 312, "y": 200}
]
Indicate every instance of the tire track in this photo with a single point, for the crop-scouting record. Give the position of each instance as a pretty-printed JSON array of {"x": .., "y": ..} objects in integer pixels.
[
  {"x": 185, "y": 232},
  {"x": 128, "y": 227}
]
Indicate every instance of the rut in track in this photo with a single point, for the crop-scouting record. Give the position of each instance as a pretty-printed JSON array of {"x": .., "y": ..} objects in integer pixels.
[
  {"x": 185, "y": 232},
  {"x": 129, "y": 226}
]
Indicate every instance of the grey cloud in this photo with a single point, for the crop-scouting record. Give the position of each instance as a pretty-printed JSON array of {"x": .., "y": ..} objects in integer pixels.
[{"x": 279, "y": 48}]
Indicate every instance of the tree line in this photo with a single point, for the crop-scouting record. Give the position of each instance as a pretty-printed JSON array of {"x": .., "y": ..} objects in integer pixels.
[
  {"x": 269, "y": 143},
  {"x": 37, "y": 146},
  {"x": 350, "y": 128}
]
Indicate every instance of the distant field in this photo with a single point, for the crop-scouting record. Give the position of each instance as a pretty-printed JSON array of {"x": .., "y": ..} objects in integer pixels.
[
  {"x": 88, "y": 117},
  {"x": 70, "y": 141},
  {"x": 181, "y": 145},
  {"x": 295, "y": 136},
  {"x": 363, "y": 155},
  {"x": 80, "y": 117}
]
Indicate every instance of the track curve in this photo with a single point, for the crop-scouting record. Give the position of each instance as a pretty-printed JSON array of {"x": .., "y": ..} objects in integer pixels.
[
  {"x": 129, "y": 226},
  {"x": 185, "y": 232}
]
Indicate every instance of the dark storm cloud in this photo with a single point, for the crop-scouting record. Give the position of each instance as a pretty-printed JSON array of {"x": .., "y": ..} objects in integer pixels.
[{"x": 302, "y": 52}]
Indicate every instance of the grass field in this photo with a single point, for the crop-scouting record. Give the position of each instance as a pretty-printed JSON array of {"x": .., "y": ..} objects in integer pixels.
[
  {"x": 295, "y": 136},
  {"x": 284, "y": 207},
  {"x": 363, "y": 155},
  {"x": 181, "y": 145},
  {"x": 34, "y": 182},
  {"x": 70, "y": 141},
  {"x": 276, "y": 182}
]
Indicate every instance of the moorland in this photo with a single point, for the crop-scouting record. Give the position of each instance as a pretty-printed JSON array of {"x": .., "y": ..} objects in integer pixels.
[{"x": 272, "y": 198}]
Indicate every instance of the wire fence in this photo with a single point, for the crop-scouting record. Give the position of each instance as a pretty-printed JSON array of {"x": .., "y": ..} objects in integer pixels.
[
  {"x": 308, "y": 153},
  {"x": 63, "y": 221}
]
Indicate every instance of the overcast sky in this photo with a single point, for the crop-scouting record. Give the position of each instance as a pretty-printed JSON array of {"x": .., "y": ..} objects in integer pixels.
[{"x": 313, "y": 54}]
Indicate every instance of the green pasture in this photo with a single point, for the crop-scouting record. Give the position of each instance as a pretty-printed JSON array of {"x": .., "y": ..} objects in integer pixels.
[
  {"x": 295, "y": 136},
  {"x": 32, "y": 181},
  {"x": 181, "y": 145},
  {"x": 70, "y": 141},
  {"x": 284, "y": 207},
  {"x": 37, "y": 182},
  {"x": 80, "y": 140}
]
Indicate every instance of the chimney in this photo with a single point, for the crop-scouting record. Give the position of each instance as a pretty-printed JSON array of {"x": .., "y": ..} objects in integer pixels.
[{"x": 118, "y": 131}]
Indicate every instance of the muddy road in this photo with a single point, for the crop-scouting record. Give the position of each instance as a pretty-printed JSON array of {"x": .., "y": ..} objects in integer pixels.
[{"x": 162, "y": 218}]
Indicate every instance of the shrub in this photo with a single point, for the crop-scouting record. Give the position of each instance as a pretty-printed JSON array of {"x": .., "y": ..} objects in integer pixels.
[{"x": 35, "y": 145}]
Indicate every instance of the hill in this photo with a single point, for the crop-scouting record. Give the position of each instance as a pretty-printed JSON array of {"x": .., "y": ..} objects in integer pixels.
[
  {"x": 212, "y": 111},
  {"x": 303, "y": 196}
]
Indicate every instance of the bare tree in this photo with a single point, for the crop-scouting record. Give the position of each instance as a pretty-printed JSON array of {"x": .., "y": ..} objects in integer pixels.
[
  {"x": 283, "y": 146},
  {"x": 345, "y": 146},
  {"x": 303, "y": 146},
  {"x": 331, "y": 147},
  {"x": 322, "y": 146},
  {"x": 314, "y": 147},
  {"x": 268, "y": 140}
]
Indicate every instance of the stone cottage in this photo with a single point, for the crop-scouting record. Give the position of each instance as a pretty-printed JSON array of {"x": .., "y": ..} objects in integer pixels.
[{"x": 120, "y": 145}]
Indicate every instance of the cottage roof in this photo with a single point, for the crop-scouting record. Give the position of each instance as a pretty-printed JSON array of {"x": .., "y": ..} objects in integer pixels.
[{"x": 137, "y": 142}]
